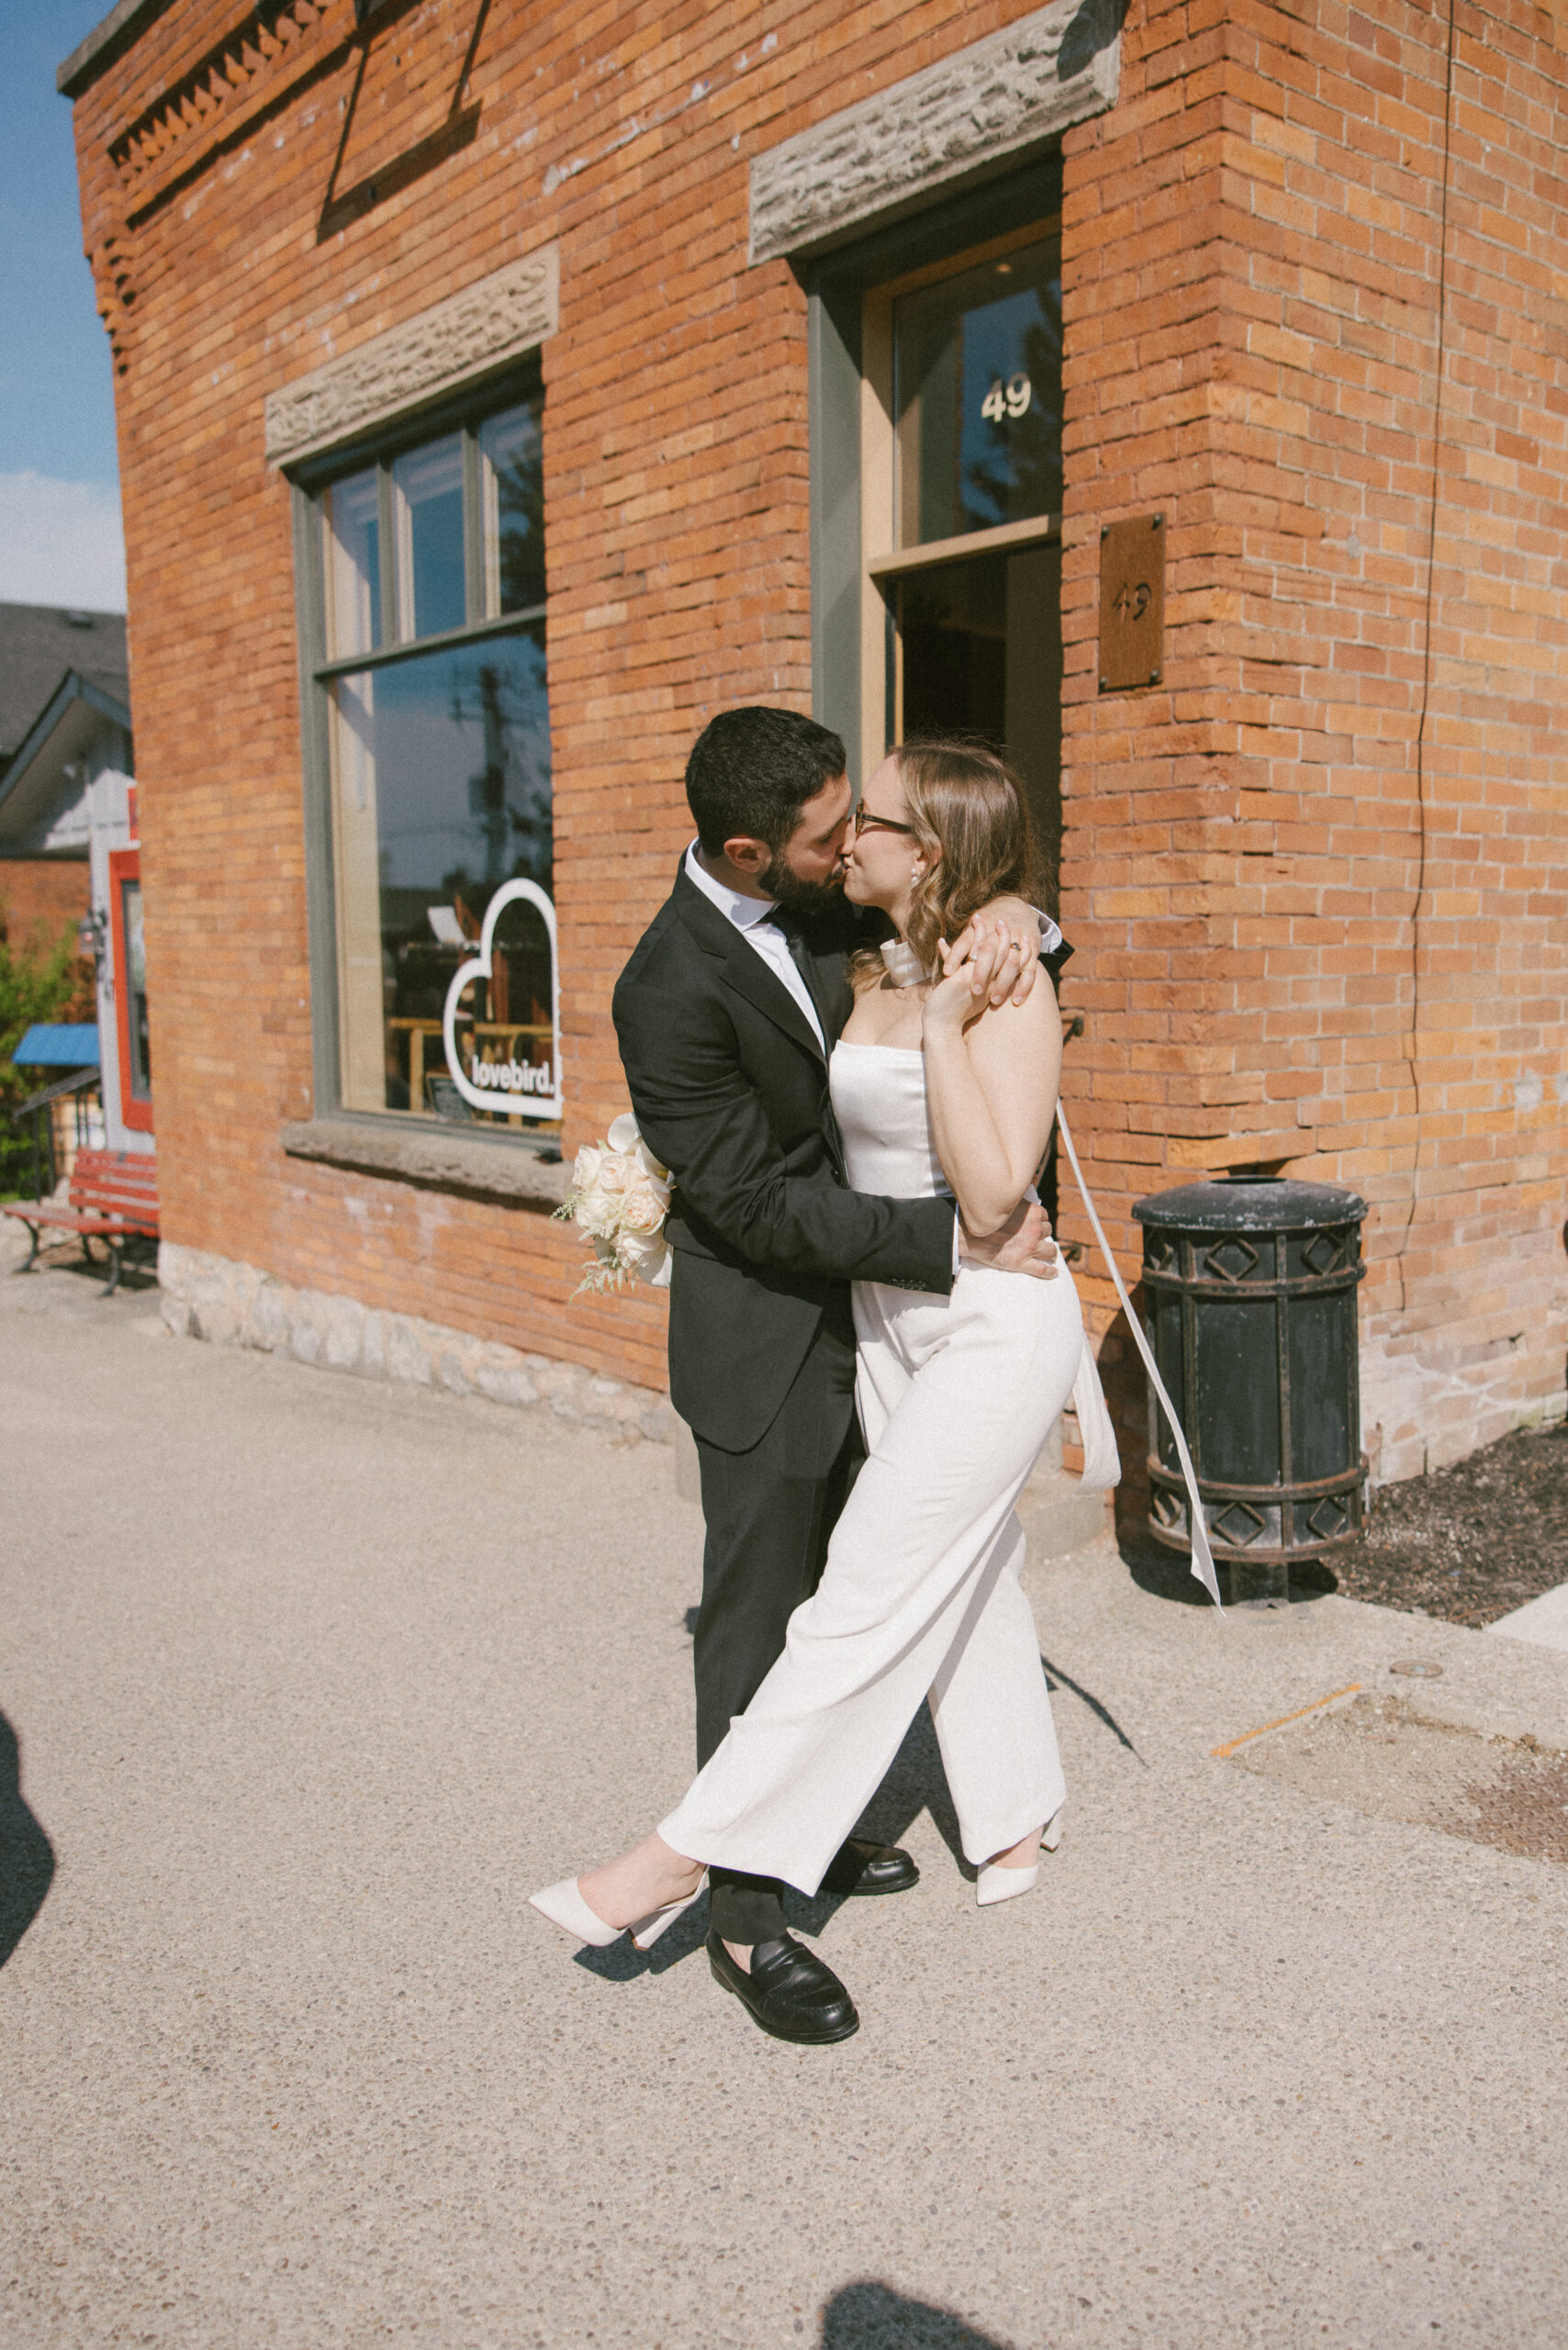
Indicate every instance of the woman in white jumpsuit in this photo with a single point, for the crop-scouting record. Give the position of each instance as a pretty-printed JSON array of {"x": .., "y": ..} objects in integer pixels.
[{"x": 920, "y": 1595}]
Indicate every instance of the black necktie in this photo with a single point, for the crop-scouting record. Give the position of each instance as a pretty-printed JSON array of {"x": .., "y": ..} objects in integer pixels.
[
  {"x": 795, "y": 939},
  {"x": 789, "y": 924}
]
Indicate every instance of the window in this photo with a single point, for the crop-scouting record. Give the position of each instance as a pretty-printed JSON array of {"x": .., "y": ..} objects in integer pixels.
[
  {"x": 128, "y": 963},
  {"x": 977, "y": 396},
  {"x": 435, "y": 709},
  {"x": 961, "y": 489},
  {"x": 936, "y": 489}
]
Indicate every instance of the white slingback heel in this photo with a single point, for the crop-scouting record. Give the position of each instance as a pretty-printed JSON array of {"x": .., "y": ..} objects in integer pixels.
[
  {"x": 564, "y": 1907},
  {"x": 996, "y": 1884},
  {"x": 647, "y": 1930}
]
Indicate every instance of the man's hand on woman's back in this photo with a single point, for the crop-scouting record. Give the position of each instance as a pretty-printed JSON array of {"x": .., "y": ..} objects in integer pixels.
[{"x": 1023, "y": 1245}]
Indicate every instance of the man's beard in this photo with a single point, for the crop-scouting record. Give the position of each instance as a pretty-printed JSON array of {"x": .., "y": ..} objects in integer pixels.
[{"x": 786, "y": 888}]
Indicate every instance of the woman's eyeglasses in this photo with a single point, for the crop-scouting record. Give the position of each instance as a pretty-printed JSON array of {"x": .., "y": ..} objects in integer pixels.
[{"x": 863, "y": 820}]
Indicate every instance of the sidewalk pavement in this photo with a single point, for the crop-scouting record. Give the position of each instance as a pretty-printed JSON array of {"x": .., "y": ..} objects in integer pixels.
[
  {"x": 1542, "y": 1620},
  {"x": 314, "y": 1681}
]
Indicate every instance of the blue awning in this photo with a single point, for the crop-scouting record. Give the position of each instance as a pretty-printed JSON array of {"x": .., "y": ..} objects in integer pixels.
[{"x": 59, "y": 1045}]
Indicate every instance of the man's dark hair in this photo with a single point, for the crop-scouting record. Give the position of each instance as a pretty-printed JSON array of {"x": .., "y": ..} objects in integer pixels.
[{"x": 752, "y": 770}]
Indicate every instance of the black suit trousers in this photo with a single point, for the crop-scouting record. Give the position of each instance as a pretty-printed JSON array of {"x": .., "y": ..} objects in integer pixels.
[{"x": 770, "y": 1513}]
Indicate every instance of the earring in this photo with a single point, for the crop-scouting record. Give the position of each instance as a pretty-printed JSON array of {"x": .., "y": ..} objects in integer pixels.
[{"x": 916, "y": 873}]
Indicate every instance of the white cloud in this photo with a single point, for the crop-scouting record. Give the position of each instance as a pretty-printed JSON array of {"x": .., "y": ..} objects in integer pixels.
[{"x": 61, "y": 542}]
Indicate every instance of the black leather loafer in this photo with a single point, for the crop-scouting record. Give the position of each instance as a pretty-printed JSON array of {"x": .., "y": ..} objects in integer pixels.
[
  {"x": 789, "y": 1992},
  {"x": 866, "y": 1869}
]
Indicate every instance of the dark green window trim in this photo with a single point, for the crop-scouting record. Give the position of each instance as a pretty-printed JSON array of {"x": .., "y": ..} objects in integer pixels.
[
  {"x": 350, "y": 664},
  {"x": 837, "y": 287},
  {"x": 307, "y": 481}
]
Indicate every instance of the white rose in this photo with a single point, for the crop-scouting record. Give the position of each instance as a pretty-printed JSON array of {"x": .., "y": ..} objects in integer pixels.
[
  {"x": 643, "y": 1208},
  {"x": 616, "y": 1172},
  {"x": 597, "y": 1215},
  {"x": 642, "y": 1253},
  {"x": 585, "y": 1168}
]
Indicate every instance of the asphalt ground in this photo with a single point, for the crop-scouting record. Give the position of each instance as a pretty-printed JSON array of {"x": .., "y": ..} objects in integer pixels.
[{"x": 314, "y": 1681}]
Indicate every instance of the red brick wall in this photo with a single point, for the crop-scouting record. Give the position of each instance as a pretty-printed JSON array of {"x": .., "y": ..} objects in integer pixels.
[
  {"x": 41, "y": 897},
  {"x": 1250, "y": 263},
  {"x": 1313, "y": 931},
  {"x": 676, "y": 487}
]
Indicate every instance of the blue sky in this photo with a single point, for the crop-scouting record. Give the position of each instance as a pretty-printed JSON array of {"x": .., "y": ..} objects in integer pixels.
[{"x": 59, "y": 496}]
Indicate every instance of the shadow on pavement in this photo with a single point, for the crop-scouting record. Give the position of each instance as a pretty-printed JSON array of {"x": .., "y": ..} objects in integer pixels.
[
  {"x": 869, "y": 2316},
  {"x": 1056, "y": 1679},
  {"x": 624, "y": 1962},
  {"x": 27, "y": 1856},
  {"x": 138, "y": 1274},
  {"x": 1167, "y": 1575}
]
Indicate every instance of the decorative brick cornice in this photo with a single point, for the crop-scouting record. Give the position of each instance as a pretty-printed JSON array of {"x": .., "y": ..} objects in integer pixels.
[
  {"x": 114, "y": 283},
  {"x": 254, "y": 66},
  {"x": 496, "y": 320},
  {"x": 955, "y": 122}
]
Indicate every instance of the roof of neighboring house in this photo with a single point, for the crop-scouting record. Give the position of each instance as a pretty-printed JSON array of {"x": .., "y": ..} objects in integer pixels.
[
  {"x": 82, "y": 728},
  {"x": 39, "y": 643}
]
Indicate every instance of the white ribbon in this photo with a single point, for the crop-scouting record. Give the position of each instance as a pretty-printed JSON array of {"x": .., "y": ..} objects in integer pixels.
[{"x": 1203, "y": 1557}]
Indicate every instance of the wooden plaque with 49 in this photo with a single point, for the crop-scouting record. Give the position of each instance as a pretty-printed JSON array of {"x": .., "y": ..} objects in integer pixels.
[{"x": 1132, "y": 603}]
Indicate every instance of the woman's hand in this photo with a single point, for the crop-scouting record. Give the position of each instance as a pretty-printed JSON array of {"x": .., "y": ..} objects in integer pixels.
[
  {"x": 954, "y": 999},
  {"x": 1001, "y": 946}
]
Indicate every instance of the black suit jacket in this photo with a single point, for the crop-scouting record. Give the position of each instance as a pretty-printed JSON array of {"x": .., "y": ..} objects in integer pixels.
[{"x": 730, "y": 1088}]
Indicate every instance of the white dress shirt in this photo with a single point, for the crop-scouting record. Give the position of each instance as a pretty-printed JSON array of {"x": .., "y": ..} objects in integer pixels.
[{"x": 753, "y": 917}]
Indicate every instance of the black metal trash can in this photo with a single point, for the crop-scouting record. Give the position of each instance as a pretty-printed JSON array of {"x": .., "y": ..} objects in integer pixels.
[{"x": 1250, "y": 1284}]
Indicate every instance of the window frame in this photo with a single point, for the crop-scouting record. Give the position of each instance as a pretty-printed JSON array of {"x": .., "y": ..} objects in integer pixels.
[
  {"x": 136, "y": 1108},
  {"x": 466, "y": 412},
  {"x": 850, "y": 296},
  {"x": 883, "y": 563}
]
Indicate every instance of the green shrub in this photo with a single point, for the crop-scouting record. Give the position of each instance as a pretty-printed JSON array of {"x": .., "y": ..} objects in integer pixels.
[{"x": 36, "y": 982}]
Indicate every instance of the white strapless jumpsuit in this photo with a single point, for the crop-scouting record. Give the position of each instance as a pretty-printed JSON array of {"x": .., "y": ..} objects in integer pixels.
[{"x": 920, "y": 1595}]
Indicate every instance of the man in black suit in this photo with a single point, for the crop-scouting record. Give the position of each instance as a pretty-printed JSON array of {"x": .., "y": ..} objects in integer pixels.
[{"x": 727, "y": 1014}]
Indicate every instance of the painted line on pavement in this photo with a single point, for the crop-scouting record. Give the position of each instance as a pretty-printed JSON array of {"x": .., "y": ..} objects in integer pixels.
[{"x": 1350, "y": 1690}]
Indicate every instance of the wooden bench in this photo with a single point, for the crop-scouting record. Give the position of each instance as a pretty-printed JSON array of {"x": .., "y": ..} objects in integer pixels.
[{"x": 112, "y": 1197}]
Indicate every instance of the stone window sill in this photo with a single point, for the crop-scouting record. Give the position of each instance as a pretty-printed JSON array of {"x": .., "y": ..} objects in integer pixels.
[{"x": 443, "y": 1159}]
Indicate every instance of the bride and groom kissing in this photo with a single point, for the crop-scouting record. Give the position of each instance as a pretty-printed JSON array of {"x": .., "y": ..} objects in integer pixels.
[{"x": 838, "y": 1037}]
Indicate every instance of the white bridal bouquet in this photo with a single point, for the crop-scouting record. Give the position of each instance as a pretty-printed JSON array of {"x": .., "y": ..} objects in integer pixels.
[{"x": 618, "y": 1200}]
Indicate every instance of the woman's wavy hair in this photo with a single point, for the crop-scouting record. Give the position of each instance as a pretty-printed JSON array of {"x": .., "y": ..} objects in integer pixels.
[{"x": 968, "y": 814}]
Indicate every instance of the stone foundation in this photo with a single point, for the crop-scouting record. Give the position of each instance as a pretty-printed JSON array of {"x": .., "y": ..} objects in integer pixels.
[
  {"x": 234, "y": 1304},
  {"x": 1433, "y": 1398}
]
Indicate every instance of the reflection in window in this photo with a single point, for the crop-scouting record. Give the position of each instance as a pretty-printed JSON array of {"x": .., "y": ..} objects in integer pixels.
[
  {"x": 136, "y": 989},
  {"x": 512, "y": 496},
  {"x": 441, "y": 792},
  {"x": 977, "y": 394},
  {"x": 952, "y": 640},
  {"x": 979, "y": 654},
  {"x": 427, "y": 491},
  {"x": 353, "y": 564}
]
